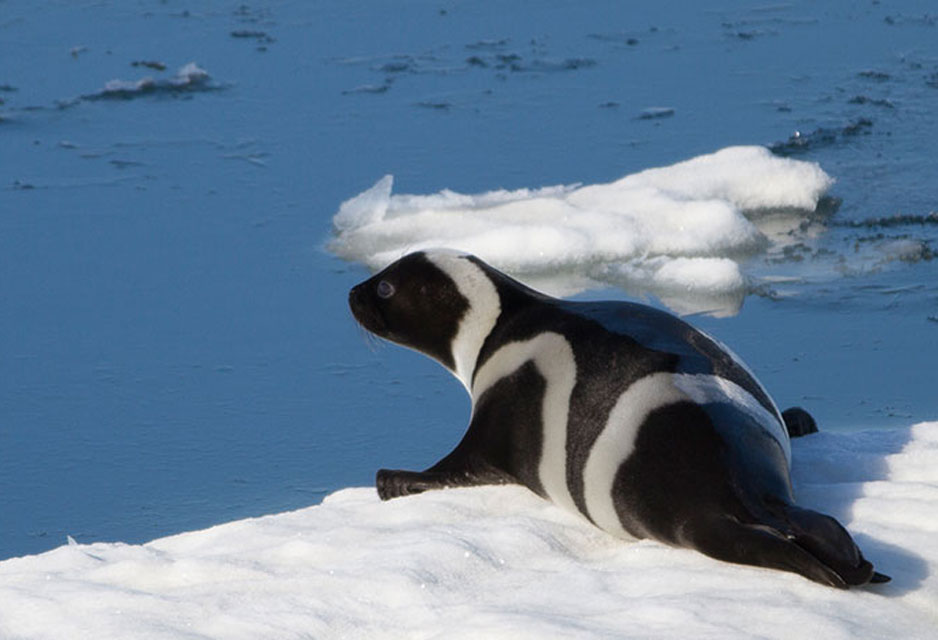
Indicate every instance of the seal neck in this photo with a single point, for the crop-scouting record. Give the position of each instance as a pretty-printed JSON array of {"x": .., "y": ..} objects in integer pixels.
[{"x": 484, "y": 308}]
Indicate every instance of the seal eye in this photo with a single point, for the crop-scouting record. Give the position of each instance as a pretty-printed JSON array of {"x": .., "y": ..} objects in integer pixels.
[{"x": 385, "y": 289}]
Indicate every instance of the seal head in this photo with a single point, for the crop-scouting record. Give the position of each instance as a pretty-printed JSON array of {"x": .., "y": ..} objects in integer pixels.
[{"x": 397, "y": 302}]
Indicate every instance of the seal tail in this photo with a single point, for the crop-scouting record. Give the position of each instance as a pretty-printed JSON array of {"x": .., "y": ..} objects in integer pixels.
[{"x": 826, "y": 539}]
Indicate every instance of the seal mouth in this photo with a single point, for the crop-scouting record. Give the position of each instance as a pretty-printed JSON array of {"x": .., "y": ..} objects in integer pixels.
[{"x": 366, "y": 312}]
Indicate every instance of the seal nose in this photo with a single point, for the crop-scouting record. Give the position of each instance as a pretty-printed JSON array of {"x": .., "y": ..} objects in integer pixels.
[{"x": 364, "y": 310}]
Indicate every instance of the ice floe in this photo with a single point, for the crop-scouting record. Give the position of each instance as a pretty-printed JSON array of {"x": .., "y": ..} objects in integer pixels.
[{"x": 678, "y": 232}]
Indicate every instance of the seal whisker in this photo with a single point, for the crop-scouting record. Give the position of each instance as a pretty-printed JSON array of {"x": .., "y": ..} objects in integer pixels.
[{"x": 374, "y": 342}]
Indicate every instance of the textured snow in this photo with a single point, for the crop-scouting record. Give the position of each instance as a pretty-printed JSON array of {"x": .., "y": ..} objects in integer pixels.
[
  {"x": 678, "y": 232},
  {"x": 497, "y": 562}
]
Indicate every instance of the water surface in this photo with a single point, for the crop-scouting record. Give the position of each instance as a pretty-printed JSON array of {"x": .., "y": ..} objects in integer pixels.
[{"x": 175, "y": 348}]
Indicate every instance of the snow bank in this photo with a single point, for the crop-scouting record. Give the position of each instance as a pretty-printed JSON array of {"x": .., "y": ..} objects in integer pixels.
[
  {"x": 677, "y": 232},
  {"x": 497, "y": 562}
]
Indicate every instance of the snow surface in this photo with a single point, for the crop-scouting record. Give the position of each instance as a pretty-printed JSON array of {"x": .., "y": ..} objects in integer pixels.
[
  {"x": 497, "y": 562},
  {"x": 677, "y": 232}
]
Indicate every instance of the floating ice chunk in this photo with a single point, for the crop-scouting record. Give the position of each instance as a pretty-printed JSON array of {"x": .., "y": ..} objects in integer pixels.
[
  {"x": 190, "y": 74},
  {"x": 687, "y": 285},
  {"x": 705, "y": 274},
  {"x": 656, "y": 113},
  {"x": 190, "y": 77},
  {"x": 905, "y": 249},
  {"x": 749, "y": 178},
  {"x": 677, "y": 231},
  {"x": 128, "y": 86},
  {"x": 365, "y": 208}
]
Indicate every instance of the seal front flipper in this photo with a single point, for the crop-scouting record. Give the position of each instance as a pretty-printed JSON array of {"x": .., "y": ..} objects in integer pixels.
[
  {"x": 396, "y": 483},
  {"x": 798, "y": 422}
]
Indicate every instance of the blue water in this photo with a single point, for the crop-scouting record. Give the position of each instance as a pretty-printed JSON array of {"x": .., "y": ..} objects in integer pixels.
[{"x": 175, "y": 348}]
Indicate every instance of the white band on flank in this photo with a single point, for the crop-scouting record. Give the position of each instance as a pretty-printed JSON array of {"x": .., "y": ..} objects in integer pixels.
[
  {"x": 703, "y": 389},
  {"x": 484, "y": 309},
  {"x": 553, "y": 357},
  {"x": 617, "y": 440},
  {"x": 745, "y": 367}
]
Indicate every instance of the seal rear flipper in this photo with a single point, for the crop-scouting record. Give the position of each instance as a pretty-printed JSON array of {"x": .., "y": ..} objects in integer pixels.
[
  {"x": 826, "y": 539},
  {"x": 727, "y": 539},
  {"x": 798, "y": 422}
]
